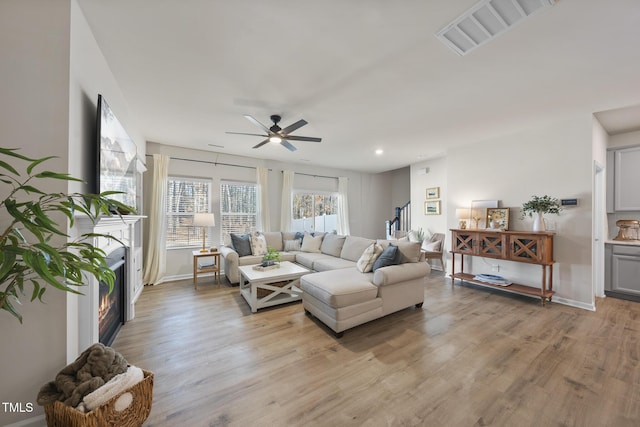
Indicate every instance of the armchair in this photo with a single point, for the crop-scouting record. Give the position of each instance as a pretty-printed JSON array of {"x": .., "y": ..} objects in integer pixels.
[{"x": 433, "y": 247}]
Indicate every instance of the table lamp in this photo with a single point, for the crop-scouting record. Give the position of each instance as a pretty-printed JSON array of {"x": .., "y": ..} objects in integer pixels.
[
  {"x": 204, "y": 220},
  {"x": 462, "y": 214}
]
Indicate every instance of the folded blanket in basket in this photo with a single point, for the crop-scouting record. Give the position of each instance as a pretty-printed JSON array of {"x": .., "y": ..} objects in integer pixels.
[{"x": 112, "y": 388}]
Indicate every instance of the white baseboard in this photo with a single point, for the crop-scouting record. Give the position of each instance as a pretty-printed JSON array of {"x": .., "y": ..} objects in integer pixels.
[{"x": 572, "y": 303}]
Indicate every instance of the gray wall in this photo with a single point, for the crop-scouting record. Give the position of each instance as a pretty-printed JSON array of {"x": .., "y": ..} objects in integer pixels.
[{"x": 52, "y": 72}]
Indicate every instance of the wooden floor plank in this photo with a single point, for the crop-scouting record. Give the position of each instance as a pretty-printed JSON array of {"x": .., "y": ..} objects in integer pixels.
[{"x": 469, "y": 356}]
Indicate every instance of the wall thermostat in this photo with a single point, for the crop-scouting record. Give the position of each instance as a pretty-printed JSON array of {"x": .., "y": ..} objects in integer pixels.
[{"x": 568, "y": 203}]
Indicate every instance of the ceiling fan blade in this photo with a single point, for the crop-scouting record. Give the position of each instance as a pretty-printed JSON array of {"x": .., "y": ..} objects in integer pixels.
[
  {"x": 291, "y": 128},
  {"x": 303, "y": 138},
  {"x": 288, "y": 146},
  {"x": 257, "y": 123},
  {"x": 242, "y": 133},
  {"x": 261, "y": 144}
]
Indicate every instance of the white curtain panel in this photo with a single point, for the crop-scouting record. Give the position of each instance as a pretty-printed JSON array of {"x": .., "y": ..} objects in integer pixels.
[
  {"x": 343, "y": 206},
  {"x": 155, "y": 264},
  {"x": 262, "y": 178},
  {"x": 287, "y": 190}
]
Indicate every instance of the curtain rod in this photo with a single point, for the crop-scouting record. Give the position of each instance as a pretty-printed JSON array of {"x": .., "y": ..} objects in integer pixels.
[
  {"x": 315, "y": 176},
  {"x": 209, "y": 162},
  {"x": 242, "y": 166}
]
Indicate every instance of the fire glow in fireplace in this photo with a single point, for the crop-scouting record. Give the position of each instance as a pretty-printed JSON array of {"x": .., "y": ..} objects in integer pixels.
[{"x": 111, "y": 315}]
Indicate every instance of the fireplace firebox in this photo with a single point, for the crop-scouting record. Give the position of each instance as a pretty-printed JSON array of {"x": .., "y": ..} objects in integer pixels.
[{"x": 111, "y": 309}]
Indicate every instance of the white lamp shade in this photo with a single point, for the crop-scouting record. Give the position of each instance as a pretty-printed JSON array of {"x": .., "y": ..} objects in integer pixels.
[
  {"x": 204, "y": 220},
  {"x": 462, "y": 213}
]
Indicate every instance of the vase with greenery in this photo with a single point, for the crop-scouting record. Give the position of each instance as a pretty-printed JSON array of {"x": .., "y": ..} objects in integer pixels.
[
  {"x": 35, "y": 250},
  {"x": 537, "y": 207},
  {"x": 271, "y": 257}
]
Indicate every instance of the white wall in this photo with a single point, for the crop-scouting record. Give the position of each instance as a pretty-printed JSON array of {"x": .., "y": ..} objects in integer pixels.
[
  {"x": 89, "y": 75},
  {"x": 369, "y": 194},
  {"x": 436, "y": 176},
  {"x": 553, "y": 160}
]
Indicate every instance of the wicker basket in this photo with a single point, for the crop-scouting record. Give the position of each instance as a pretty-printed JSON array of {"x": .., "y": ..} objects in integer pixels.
[
  {"x": 60, "y": 415},
  {"x": 261, "y": 293}
]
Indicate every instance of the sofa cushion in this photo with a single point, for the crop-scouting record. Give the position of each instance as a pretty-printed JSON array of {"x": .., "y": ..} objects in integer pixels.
[
  {"x": 408, "y": 251},
  {"x": 332, "y": 244},
  {"x": 307, "y": 259},
  {"x": 389, "y": 256},
  {"x": 354, "y": 247},
  {"x": 368, "y": 257},
  {"x": 292, "y": 245},
  {"x": 274, "y": 240},
  {"x": 311, "y": 243},
  {"x": 241, "y": 243},
  {"x": 340, "y": 288},
  {"x": 258, "y": 243},
  {"x": 329, "y": 262}
]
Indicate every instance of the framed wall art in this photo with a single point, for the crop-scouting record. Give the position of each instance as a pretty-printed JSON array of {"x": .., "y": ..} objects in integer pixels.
[
  {"x": 432, "y": 208},
  {"x": 433, "y": 193},
  {"x": 498, "y": 218}
]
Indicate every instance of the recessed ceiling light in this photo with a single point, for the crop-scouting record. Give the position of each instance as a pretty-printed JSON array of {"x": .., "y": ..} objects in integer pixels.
[{"x": 379, "y": 152}]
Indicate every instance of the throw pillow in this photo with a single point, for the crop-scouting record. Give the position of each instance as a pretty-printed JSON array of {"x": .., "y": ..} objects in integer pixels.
[
  {"x": 241, "y": 243},
  {"x": 292, "y": 245},
  {"x": 332, "y": 244},
  {"x": 389, "y": 256},
  {"x": 368, "y": 258},
  {"x": 258, "y": 243},
  {"x": 226, "y": 239},
  {"x": 299, "y": 236},
  {"x": 431, "y": 246},
  {"x": 311, "y": 243}
]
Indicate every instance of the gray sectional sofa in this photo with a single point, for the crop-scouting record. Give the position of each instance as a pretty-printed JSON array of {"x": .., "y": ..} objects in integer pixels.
[{"x": 337, "y": 292}]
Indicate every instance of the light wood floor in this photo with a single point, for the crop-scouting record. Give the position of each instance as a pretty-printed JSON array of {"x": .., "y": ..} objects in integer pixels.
[{"x": 469, "y": 357}]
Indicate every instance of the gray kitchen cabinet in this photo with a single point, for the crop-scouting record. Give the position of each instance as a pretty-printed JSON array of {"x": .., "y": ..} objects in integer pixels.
[
  {"x": 622, "y": 271},
  {"x": 622, "y": 190}
]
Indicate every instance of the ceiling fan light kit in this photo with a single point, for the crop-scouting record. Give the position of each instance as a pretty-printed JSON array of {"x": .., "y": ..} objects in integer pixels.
[{"x": 278, "y": 135}]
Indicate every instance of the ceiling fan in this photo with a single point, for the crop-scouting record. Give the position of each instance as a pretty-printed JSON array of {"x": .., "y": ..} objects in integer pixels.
[{"x": 278, "y": 135}]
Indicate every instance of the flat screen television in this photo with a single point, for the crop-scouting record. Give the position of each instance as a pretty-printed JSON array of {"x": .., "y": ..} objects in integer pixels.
[{"x": 117, "y": 157}]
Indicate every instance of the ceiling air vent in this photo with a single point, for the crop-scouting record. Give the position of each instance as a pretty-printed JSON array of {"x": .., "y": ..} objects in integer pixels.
[{"x": 486, "y": 20}]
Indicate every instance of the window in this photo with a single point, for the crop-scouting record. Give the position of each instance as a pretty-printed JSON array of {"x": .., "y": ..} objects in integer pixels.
[
  {"x": 315, "y": 212},
  {"x": 186, "y": 196},
  {"x": 238, "y": 206}
]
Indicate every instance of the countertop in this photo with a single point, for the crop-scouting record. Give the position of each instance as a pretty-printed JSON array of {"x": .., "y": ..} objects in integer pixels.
[{"x": 622, "y": 242}]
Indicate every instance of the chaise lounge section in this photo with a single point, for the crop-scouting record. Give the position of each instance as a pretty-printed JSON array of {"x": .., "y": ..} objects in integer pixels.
[{"x": 347, "y": 288}]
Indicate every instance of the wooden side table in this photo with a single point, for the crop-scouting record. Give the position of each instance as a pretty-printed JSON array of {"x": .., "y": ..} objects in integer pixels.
[{"x": 201, "y": 265}]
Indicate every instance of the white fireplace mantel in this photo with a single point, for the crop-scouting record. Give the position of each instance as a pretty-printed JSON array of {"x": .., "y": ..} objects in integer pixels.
[{"x": 82, "y": 310}]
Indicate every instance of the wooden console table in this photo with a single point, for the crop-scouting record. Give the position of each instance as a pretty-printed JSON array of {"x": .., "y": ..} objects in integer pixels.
[{"x": 518, "y": 246}]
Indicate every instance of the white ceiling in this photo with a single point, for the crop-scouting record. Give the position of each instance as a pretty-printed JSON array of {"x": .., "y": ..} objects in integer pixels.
[{"x": 365, "y": 74}]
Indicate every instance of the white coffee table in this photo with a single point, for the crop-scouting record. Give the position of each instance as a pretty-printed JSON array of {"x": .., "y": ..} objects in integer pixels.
[{"x": 251, "y": 280}]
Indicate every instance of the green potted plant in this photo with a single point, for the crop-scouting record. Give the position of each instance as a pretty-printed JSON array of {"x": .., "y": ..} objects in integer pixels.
[
  {"x": 34, "y": 249},
  {"x": 540, "y": 205},
  {"x": 271, "y": 257}
]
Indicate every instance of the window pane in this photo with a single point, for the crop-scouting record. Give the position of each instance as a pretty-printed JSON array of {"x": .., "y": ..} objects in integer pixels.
[
  {"x": 186, "y": 196},
  {"x": 238, "y": 207},
  {"x": 314, "y": 212}
]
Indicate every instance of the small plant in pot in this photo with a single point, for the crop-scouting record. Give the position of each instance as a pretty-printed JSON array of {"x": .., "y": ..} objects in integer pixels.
[
  {"x": 271, "y": 257},
  {"x": 537, "y": 207}
]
